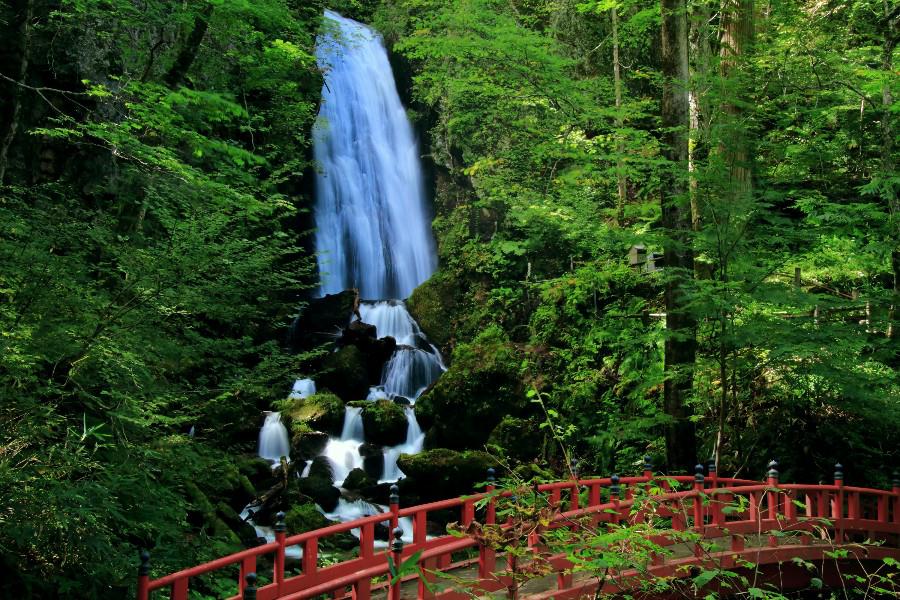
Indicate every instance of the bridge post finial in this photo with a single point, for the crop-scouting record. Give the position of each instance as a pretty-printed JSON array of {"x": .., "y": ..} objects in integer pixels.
[
  {"x": 614, "y": 490},
  {"x": 395, "y": 495},
  {"x": 491, "y": 476},
  {"x": 838, "y": 474},
  {"x": 895, "y": 481},
  {"x": 699, "y": 478},
  {"x": 143, "y": 586},
  {"x": 250, "y": 590},
  {"x": 773, "y": 472},
  {"x": 280, "y": 535},
  {"x": 573, "y": 467},
  {"x": 648, "y": 467}
]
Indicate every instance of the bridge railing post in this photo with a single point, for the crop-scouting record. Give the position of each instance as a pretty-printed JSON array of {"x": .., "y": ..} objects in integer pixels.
[
  {"x": 280, "y": 535},
  {"x": 397, "y": 552},
  {"x": 895, "y": 488},
  {"x": 574, "y": 500},
  {"x": 772, "y": 498},
  {"x": 143, "y": 586},
  {"x": 716, "y": 501},
  {"x": 648, "y": 468},
  {"x": 615, "y": 495},
  {"x": 487, "y": 557},
  {"x": 697, "y": 505},
  {"x": 837, "y": 504}
]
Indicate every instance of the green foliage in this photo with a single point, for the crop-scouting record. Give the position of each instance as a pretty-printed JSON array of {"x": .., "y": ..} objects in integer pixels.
[{"x": 149, "y": 262}]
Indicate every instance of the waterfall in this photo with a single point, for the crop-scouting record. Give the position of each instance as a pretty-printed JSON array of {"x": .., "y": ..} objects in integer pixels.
[
  {"x": 353, "y": 425},
  {"x": 415, "y": 440},
  {"x": 273, "y": 439},
  {"x": 391, "y": 318},
  {"x": 343, "y": 453},
  {"x": 372, "y": 227},
  {"x": 303, "y": 388},
  {"x": 415, "y": 365},
  {"x": 409, "y": 372}
]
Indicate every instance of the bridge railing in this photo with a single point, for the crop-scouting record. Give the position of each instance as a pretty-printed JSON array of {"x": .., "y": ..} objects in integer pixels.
[{"x": 713, "y": 507}]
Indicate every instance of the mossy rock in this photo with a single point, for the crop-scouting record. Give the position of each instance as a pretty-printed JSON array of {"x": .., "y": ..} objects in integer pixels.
[
  {"x": 482, "y": 384},
  {"x": 346, "y": 374},
  {"x": 319, "y": 318},
  {"x": 432, "y": 305},
  {"x": 319, "y": 412},
  {"x": 442, "y": 473},
  {"x": 518, "y": 439},
  {"x": 358, "y": 480},
  {"x": 320, "y": 491},
  {"x": 383, "y": 421},
  {"x": 307, "y": 445},
  {"x": 303, "y": 518}
]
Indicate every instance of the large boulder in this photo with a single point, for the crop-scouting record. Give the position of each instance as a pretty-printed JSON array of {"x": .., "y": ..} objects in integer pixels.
[
  {"x": 383, "y": 421},
  {"x": 442, "y": 473},
  {"x": 346, "y": 373},
  {"x": 318, "y": 487},
  {"x": 373, "y": 459},
  {"x": 319, "y": 412},
  {"x": 432, "y": 305},
  {"x": 481, "y": 386},
  {"x": 304, "y": 517},
  {"x": 321, "y": 319},
  {"x": 516, "y": 438},
  {"x": 358, "y": 481},
  {"x": 375, "y": 352}
]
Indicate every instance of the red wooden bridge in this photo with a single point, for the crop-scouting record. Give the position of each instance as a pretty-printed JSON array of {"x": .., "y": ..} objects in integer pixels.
[{"x": 734, "y": 523}]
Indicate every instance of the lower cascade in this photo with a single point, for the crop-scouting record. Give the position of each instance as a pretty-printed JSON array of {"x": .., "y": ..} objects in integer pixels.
[
  {"x": 416, "y": 363},
  {"x": 273, "y": 439}
]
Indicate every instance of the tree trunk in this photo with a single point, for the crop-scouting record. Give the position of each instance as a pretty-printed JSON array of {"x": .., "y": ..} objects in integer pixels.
[
  {"x": 188, "y": 52},
  {"x": 681, "y": 345},
  {"x": 16, "y": 115},
  {"x": 617, "y": 81},
  {"x": 887, "y": 148},
  {"x": 735, "y": 38}
]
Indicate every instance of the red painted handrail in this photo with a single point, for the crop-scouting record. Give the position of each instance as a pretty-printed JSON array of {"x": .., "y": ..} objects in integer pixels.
[{"x": 843, "y": 510}]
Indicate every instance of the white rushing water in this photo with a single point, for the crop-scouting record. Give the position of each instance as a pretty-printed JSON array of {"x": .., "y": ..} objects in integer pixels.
[
  {"x": 373, "y": 229},
  {"x": 415, "y": 441},
  {"x": 273, "y": 439},
  {"x": 415, "y": 365},
  {"x": 303, "y": 388}
]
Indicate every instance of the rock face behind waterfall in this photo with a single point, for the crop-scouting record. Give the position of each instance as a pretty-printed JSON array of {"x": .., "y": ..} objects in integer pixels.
[{"x": 372, "y": 225}]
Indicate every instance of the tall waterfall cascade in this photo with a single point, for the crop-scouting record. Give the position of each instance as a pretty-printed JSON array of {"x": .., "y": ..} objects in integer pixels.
[
  {"x": 373, "y": 230},
  {"x": 373, "y": 234}
]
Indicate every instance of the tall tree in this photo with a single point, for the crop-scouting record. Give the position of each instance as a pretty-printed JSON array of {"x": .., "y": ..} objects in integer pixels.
[{"x": 680, "y": 345}]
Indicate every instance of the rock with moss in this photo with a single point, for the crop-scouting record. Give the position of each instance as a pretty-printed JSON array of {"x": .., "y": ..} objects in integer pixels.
[
  {"x": 320, "y": 412},
  {"x": 358, "y": 481},
  {"x": 442, "y": 473},
  {"x": 320, "y": 318},
  {"x": 516, "y": 438},
  {"x": 432, "y": 305},
  {"x": 304, "y": 517},
  {"x": 482, "y": 384},
  {"x": 383, "y": 421},
  {"x": 306, "y": 445},
  {"x": 346, "y": 373}
]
